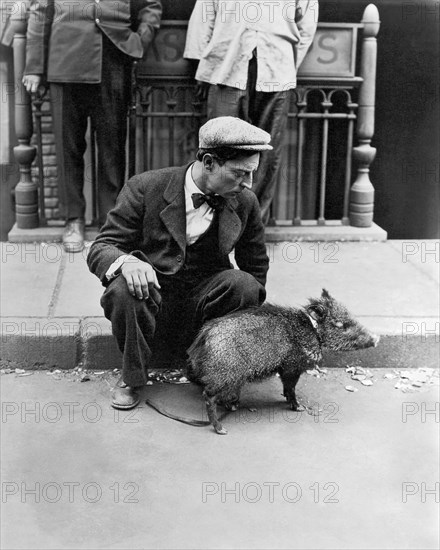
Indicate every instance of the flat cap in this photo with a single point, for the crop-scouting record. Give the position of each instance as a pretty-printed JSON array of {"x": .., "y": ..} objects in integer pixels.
[{"x": 228, "y": 131}]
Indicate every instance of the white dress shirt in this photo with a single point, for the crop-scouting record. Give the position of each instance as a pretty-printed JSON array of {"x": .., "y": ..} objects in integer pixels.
[{"x": 197, "y": 219}]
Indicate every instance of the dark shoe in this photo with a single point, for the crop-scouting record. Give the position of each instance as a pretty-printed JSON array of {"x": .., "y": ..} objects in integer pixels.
[
  {"x": 125, "y": 398},
  {"x": 73, "y": 236}
]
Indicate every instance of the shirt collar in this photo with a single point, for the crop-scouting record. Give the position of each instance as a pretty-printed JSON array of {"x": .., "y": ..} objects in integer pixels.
[{"x": 190, "y": 185}]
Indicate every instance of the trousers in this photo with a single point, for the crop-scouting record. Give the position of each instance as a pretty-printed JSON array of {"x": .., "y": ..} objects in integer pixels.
[
  {"x": 107, "y": 105},
  {"x": 159, "y": 329},
  {"x": 266, "y": 110}
]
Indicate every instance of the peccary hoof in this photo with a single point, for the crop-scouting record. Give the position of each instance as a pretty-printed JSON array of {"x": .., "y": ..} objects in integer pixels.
[{"x": 221, "y": 430}]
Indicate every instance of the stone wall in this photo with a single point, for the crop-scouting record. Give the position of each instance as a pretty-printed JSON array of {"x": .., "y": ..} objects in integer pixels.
[{"x": 49, "y": 163}]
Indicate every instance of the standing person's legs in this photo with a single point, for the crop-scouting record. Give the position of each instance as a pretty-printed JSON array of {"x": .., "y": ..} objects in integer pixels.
[
  {"x": 70, "y": 107},
  {"x": 110, "y": 119},
  {"x": 269, "y": 111},
  {"x": 227, "y": 101}
]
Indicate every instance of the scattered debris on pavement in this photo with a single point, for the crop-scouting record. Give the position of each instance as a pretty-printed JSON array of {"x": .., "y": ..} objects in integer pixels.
[
  {"x": 413, "y": 380},
  {"x": 405, "y": 380},
  {"x": 175, "y": 376}
]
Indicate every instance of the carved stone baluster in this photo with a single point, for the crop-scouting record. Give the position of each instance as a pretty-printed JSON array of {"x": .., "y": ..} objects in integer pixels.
[
  {"x": 362, "y": 191},
  {"x": 26, "y": 191}
]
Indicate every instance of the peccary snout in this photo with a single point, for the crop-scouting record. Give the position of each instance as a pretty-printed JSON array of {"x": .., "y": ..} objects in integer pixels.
[{"x": 255, "y": 343}]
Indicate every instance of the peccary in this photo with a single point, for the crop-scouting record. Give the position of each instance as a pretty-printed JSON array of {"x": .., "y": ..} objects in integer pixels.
[{"x": 255, "y": 343}]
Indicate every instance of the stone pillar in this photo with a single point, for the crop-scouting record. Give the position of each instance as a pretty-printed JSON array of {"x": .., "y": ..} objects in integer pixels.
[
  {"x": 362, "y": 191},
  {"x": 26, "y": 191}
]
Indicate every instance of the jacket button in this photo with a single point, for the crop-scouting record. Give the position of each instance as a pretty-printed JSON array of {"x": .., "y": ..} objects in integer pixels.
[{"x": 179, "y": 258}]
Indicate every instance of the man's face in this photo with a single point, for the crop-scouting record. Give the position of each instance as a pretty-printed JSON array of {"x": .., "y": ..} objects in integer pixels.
[{"x": 230, "y": 178}]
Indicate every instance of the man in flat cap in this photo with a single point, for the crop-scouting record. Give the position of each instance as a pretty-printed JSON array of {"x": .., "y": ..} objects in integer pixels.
[{"x": 163, "y": 254}]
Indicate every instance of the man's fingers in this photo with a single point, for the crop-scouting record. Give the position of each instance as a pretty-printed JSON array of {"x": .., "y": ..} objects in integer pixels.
[
  {"x": 138, "y": 276},
  {"x": 137, "y": 287},
  {"x": 31, "y": 83},
  {"x": 144, "y": 285},
  {"x": 153, "y": 279},
  {"x": 129, "y": 281}
]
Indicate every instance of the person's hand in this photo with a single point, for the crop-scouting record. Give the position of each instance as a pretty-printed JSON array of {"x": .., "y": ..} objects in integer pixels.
[
  {"x": 138, "y": 275},
  {"x": 32, "y": 83},
  {"x": 201, "y": 90}
]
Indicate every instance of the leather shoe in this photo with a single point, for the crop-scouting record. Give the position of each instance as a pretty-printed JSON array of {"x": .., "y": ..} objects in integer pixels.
[
  {"x": 125, "y": 398},
  {"x": 73, "y": 236}
]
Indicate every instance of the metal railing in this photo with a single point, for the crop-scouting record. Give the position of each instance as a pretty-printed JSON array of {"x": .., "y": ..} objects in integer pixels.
[{"x": 327, "y": 113}]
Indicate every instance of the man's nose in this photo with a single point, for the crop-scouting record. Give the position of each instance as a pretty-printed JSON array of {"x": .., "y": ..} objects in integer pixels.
[{"x": 247, "y": 181}]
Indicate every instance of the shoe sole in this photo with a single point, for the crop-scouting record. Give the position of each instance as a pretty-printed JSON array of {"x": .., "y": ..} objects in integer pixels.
[
  {"x": 73, "y": 248},
  {"x": 125, "y": 407}
]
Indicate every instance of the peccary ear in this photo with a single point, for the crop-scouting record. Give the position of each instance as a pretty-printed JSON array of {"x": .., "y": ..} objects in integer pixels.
[
  {"x": 317, "y": 310},
  {"x": 325, "y": 294}
]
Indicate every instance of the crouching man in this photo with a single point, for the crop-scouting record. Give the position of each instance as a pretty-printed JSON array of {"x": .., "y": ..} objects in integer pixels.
[{"x": 163, "y": 253}]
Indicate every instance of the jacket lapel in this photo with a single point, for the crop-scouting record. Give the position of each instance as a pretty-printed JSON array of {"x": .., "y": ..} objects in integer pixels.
[
  {"x": 229, "y": 227},
  {"x": 173, "y": 215}
]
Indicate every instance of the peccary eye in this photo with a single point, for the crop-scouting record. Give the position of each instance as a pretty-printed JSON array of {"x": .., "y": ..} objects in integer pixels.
[{"x": 339, "y": 324}]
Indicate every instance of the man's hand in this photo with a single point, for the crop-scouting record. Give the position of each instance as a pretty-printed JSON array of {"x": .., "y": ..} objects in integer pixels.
[
  {"x": 32, "y": 82},
  {"x": 138, "y": 275}
]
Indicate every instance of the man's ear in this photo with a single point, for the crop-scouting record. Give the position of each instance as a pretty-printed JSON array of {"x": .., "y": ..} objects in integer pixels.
[{"x": 208, "y": 162}]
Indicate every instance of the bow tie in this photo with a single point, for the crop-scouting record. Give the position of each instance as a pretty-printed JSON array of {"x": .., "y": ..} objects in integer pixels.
[{"x": 214, "y": 201}]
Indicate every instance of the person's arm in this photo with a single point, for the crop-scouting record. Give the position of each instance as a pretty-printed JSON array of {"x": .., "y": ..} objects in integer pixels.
[
  {"x": 147, "y": 17},
  {"x": 200, "y": 28},
  {"x": 117, "y": 243},
  {"x": 39, "y": 25},
  {"x": 250, "y": 250},
  {"x": 306, "y": 20}
]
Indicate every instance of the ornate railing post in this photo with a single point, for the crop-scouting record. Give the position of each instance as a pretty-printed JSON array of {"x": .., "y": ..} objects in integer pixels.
[
  {"x": 26, "y": 191},
  {"x": 362, "y": 191}
]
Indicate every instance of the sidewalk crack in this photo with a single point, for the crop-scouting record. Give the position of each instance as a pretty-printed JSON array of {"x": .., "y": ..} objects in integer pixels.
[{"x": 56, "y": 291}]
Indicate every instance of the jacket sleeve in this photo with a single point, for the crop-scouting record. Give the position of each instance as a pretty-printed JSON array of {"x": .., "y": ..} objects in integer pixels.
[
  {"x": 250, "y": 250},
  {"x": 122, "y": 232},
  {"x": 146, "y": 19},
  {"x": 200, "y": 28},
  {"x": 306, "y": 21},
  {"x": 40, "y": 17}
]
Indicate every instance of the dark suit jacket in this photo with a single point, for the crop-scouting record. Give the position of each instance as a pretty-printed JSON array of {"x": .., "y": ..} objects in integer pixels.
[
  {"x": 64, "y": 39},
  {"x": 149, "y": 221}
]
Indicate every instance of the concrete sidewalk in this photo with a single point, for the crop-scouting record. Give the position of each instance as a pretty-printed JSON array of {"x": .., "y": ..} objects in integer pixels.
[
  {"x": 356, "y": 470},
  {"x": 51, "y": 316},
  {"x": 360, "y": 474}
]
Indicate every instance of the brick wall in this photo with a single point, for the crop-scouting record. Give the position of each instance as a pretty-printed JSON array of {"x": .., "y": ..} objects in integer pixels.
[{"x": 49, "y": 163}]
